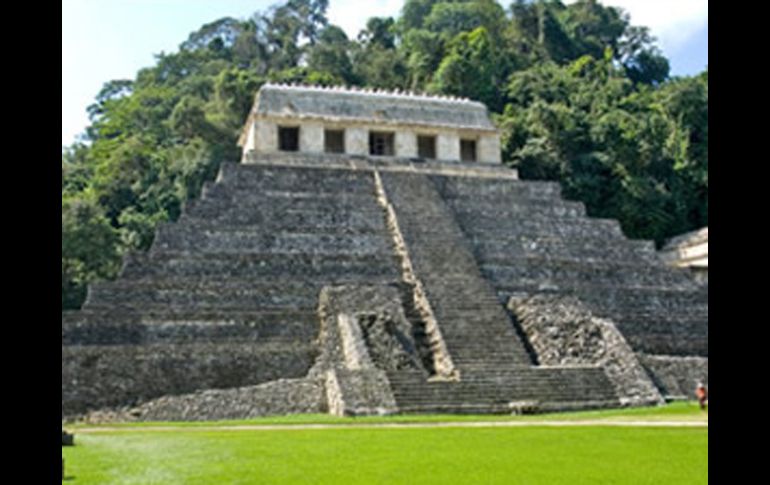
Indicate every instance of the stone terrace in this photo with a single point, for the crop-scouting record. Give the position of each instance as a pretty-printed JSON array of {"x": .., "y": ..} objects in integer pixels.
[{"x": 228, "y": 296}]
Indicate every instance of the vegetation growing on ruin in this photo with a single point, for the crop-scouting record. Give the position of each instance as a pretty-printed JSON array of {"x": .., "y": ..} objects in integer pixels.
[{"x": 581, "y": 96}]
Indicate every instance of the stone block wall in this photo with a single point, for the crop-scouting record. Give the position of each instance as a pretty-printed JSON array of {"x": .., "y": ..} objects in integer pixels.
[
  {"x": 98, "y": 376},
  {"x": 265, "y": 137},
  {"x": 262, "y": 138},
  {"x": 311, "y": 137},
  {"x": 275, "y": 398},
  {"x": 356, "y": 141},
  {"x": 677, "y": 376},
  {"x": 228, "y": 299},
  {"x": 356, "y": 383},
  {"x": 406, "y": 144},
  {"x": 489, "y": 149},
  {"x": 564, "y": 332},
  {"x": 448, "y": 147}
]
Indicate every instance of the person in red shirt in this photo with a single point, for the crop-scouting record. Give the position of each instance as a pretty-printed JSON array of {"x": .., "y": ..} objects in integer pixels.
[{"x": 702, "y": 394}]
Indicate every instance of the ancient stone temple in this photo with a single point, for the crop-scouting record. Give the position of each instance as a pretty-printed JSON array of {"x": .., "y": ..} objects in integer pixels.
[
  {"x": 371, "y": 255},
  {"x": 313, "y": 120}
]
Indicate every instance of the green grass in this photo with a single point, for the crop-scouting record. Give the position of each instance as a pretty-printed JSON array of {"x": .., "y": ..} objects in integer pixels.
[{"x": 530, "y": 455}]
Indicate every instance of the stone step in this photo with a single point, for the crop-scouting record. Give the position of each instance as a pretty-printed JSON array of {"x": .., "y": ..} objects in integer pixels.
[
  {"x": 571, "y": 279},
  {"x": 277, "y": 177},
  {"x": 450, "y": 187},
  {"x": 204, "y": 294},
  {"x": 469, "y": 207},
  {"x": 287, "y": 219},
  {"x": 669, "y": 334},
  {"x": 647, "y": 298},
  {"x": 587, "y": 249},
  {"x": 568, "y": 384},
  {"x": 533, "y": 270},
  {"x": 240, "y": 283},
  {"x": 470, "y": 392},
  {"x": 671, "y": 341},
  {"x": 256, "y": 265},
  {"x": 172, "y": 238},
  {"x": 628, "y": 299},
  {"x": 191, "y": 228},
  {"x": 115, "y": 332},
  {"x": 272, "y": 207},
  {"x": 253, "y": 318},
  {"x": 318, "y": 193},
  {"x": 563, "y": 227},
  {"x": 442, "y": 259}
]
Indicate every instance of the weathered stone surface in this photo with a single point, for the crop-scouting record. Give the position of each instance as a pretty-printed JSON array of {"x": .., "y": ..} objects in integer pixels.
[
  {"x": 99, "y": 376},
  {"x": 691, "y": 251},
  {"x": 354, "y": 356},
  {"x": 358, "y": 113},
  {"x": 279, "y": 397},
  {"x": 563, "y": 332},
  {"x": 390, "y": 341},
  {"x": 375, "y": 306},
  {"x": 377, "y": 284},
  {"x": 223, "y": 303},
  {"x": 524, "y": 250},
  {"x": 359, "y": 392},
  {"x": 676, "y": 376}
]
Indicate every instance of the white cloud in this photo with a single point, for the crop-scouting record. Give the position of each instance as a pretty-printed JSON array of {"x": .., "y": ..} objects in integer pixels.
[
  {"x": 672, "y": 22},
  {"x": 352, "y": 15}
]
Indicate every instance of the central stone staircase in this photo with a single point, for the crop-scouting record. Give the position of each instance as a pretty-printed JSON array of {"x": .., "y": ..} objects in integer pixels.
[
  {"x": 527, "y": 240},
  {"x": 495, "y": 370},
  {"x": 228, "y": 296}
]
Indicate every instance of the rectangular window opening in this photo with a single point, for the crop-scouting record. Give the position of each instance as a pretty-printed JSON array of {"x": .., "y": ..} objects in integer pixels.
[
  {"x": 288, "y": 138},
  {"x": 468, "y": 150},
  {"x": 334, "y": 141},
  {"x": 381, "y": 143},
  {"x": 426, "y": 147}
]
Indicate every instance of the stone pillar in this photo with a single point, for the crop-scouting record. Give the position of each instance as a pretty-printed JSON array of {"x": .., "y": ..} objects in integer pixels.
[
  {"x": 448, "y": 147},
  {"x": 311, "y": 138},
  {"x": 265, "y": 137},
  {"x": 489, "y": 149},
  {"x": 356, "y": 141},
  {"x": 406, "y": 144},
  {"x": 250, "y": 138}
]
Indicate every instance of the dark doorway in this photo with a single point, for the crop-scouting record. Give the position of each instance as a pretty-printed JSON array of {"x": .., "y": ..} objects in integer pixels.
[
  {"x": 426, "y": 147},
  {"x": 334, "y": 141},
  {"x": 381, "y": 143},
  {"x": 288, "y": 138},
  {"x": 468, "y": 150}
]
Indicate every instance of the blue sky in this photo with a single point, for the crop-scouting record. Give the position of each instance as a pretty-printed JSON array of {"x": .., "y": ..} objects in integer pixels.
[{"x": 112, "y": 39}]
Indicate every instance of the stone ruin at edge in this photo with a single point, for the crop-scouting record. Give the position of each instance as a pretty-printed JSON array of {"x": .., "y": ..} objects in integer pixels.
[{"x": 371, "y": 255}]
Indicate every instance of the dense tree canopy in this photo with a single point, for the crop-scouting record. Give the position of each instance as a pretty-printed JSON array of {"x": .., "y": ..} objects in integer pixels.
[{"x": 581, "y": 96}]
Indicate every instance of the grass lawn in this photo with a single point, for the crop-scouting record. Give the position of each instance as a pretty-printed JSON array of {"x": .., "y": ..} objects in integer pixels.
[{"x": 148, "y": 455}]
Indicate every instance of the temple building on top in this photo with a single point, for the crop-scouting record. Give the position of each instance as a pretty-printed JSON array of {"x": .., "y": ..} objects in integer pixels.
[{"x": 319, "y": 120}]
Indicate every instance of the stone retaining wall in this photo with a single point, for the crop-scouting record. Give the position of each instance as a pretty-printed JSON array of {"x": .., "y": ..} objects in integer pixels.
[
  {"x": 280, "y": 397},
  {"x": 676, "y": 376},
  {"x": 101, "y": 376},
  {"x": 564, "y": 332}
]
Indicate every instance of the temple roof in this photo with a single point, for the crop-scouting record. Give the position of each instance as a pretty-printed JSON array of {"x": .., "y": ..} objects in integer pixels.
[{"x": 370, "y": 106}]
